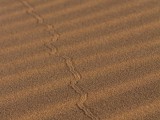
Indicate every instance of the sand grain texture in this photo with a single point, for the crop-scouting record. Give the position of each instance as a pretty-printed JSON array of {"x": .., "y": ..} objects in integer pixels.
[{"x": 79, "y": 60}]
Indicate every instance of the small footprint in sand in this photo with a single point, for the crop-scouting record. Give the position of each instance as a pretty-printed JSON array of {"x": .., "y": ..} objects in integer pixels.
[{"x": 52, "y": 49}]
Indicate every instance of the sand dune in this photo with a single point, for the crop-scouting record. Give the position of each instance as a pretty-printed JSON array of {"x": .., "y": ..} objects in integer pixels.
[{"x": 80, "y": 60}]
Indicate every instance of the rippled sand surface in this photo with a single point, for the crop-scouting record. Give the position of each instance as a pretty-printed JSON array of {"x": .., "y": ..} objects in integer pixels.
[{"x": 79, "y": 60}]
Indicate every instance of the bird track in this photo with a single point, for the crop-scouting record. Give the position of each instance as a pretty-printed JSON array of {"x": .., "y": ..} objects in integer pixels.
[{"x": 73, "y": 83}]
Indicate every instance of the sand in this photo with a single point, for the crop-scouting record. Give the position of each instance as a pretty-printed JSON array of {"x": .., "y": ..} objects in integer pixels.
[{"x": 80, "y": 60}]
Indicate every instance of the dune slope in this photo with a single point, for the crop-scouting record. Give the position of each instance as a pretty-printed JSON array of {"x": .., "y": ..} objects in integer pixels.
[{"x": 79, "y": 60}]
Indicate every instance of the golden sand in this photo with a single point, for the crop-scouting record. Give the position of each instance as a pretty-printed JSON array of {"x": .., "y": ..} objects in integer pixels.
[{"x": 80, "y": 60}]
